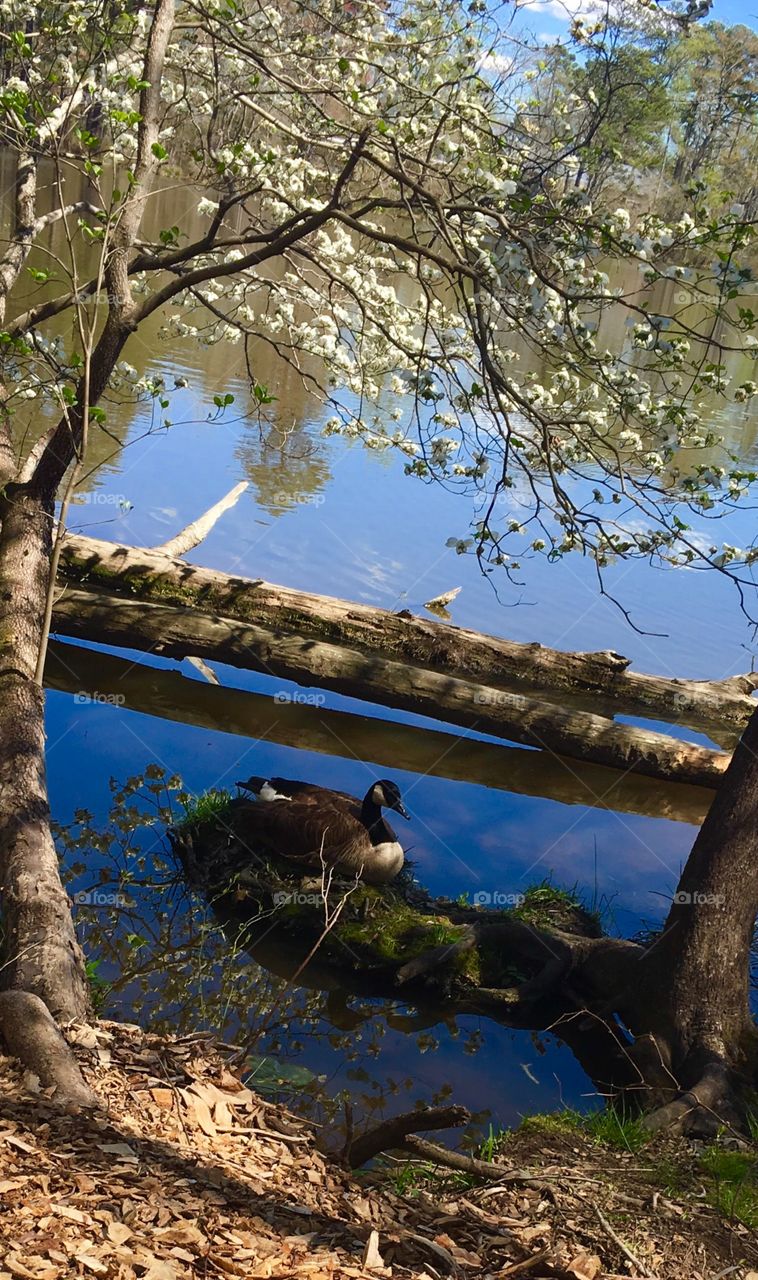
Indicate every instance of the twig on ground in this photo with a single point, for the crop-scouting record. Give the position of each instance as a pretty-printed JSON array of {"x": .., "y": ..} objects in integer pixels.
[{"x": 627, "y": 1252}]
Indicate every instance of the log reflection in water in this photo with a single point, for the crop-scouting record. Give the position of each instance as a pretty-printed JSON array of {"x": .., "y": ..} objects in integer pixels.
[{"x": 172, "y": 696}]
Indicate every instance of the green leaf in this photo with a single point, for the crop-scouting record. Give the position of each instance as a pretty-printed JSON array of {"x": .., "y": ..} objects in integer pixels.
[
  {"x": 159, "y": 151},
  {"x": 268, "y": 1074}
]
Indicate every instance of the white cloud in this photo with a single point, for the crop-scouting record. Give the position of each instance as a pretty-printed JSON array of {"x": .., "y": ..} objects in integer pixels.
[
  {"x": 499, "y": 63},
  {"x": 643, "y": 16},
  {"x": 564, "y": 10}
]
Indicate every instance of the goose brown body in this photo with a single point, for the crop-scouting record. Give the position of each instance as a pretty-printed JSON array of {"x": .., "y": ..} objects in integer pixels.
[{"x": 315, "y": 826}]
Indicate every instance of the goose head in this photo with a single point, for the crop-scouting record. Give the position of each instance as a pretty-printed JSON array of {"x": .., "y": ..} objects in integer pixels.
[{"x": 386, "y": 795}]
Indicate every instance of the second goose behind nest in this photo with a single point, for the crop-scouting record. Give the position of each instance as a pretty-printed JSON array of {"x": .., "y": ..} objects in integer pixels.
[{"x": 311, "y": 824}]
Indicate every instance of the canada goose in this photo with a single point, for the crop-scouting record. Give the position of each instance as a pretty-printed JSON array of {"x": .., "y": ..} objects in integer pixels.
[{"x": 309, "y": 824}]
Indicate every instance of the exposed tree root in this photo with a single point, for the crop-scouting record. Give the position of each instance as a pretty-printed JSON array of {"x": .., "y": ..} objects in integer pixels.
[
  {"x": 703, "y": 1109},
  {"x": 30, "y": 1034},
  {"x": 393, "y": 1132}
]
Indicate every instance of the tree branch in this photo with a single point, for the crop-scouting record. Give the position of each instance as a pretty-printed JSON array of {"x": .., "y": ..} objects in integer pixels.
[
  {"x": 285, "y": 240},
  {"x": 393, "y": 1133},
  {"x": 64, "y": 444},
  {"x": 55, "y": 215},
  {"x": 23, "y": 229},
  {"x": 469, "y": 1164}
]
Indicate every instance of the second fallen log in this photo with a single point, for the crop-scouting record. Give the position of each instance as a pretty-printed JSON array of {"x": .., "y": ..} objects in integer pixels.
[
  {"x": 176, "y": 632},
  {"x": 720, "y": 707}
]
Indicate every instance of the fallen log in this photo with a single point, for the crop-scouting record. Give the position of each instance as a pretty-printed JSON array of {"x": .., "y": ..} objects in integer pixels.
[
  {"x": 388, "y": 744},
  {"x": 175, "y": 632},
  {"x": 149, "y": 574}
]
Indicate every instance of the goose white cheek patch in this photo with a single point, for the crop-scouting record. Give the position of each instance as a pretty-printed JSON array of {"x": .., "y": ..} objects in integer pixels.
[{"x": 267, "y": 792}]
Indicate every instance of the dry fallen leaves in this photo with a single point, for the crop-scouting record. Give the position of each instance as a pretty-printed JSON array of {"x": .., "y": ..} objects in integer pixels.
[
  {"x": 187, "y": 1172},
  {"x": 585, "y": 1266}
]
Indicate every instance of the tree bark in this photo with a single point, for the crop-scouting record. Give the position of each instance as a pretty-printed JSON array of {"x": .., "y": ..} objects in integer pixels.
[
  {"x": 698, "y": 973},
  {"x": 175, "y": 632},
  {"x": 40, "y": 950},
  {"x": 149, "y": 575},
  {"x": 31, "y": 1035}
]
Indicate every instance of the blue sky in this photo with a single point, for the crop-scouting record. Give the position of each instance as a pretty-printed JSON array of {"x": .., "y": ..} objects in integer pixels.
[
  {"x": 736, "y": 11},
  {"x": 549, "y": 17}
]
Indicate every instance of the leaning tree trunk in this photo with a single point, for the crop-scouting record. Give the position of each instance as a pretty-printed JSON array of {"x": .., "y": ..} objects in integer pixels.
[
  {"x": 41, "y": 953},
  {"x": 692, "y": 992}
]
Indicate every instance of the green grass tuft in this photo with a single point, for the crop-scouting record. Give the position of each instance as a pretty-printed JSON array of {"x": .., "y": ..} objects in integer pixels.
[
  {"x": 492, "y": 1144},
  {"x": 617, "y": 1128},
  {"x": 553, "y": 1122},
  {"x": 732, "y": 1181},
  {"x": 545, "y": 904},
  {"x": 610, "y": 1127},
  {"x": 199, "y": 809}
]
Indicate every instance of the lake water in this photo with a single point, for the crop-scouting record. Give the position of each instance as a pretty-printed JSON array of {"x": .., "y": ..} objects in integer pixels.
[{"x": 327, "y": 516}]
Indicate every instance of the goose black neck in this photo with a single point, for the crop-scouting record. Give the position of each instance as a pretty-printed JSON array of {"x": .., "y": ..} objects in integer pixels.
[{"x": 372, "y": 819}]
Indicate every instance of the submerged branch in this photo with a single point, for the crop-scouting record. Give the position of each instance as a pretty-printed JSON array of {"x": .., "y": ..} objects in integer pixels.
[{"x": 195, "y": 532}]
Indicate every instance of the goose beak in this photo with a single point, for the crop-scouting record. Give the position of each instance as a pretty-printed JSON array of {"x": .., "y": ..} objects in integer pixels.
[{"x": 401, "y": 809}]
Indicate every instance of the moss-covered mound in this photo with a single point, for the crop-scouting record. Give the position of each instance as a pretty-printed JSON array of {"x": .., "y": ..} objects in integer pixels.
[{"x": 388, "y": 936}]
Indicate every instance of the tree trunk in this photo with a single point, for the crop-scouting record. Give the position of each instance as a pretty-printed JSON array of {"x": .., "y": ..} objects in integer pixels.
[
  {"x": 176, "y": 632},
  {"x": 41, "y": 953},
  {"x": 700, "y": 965}
]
